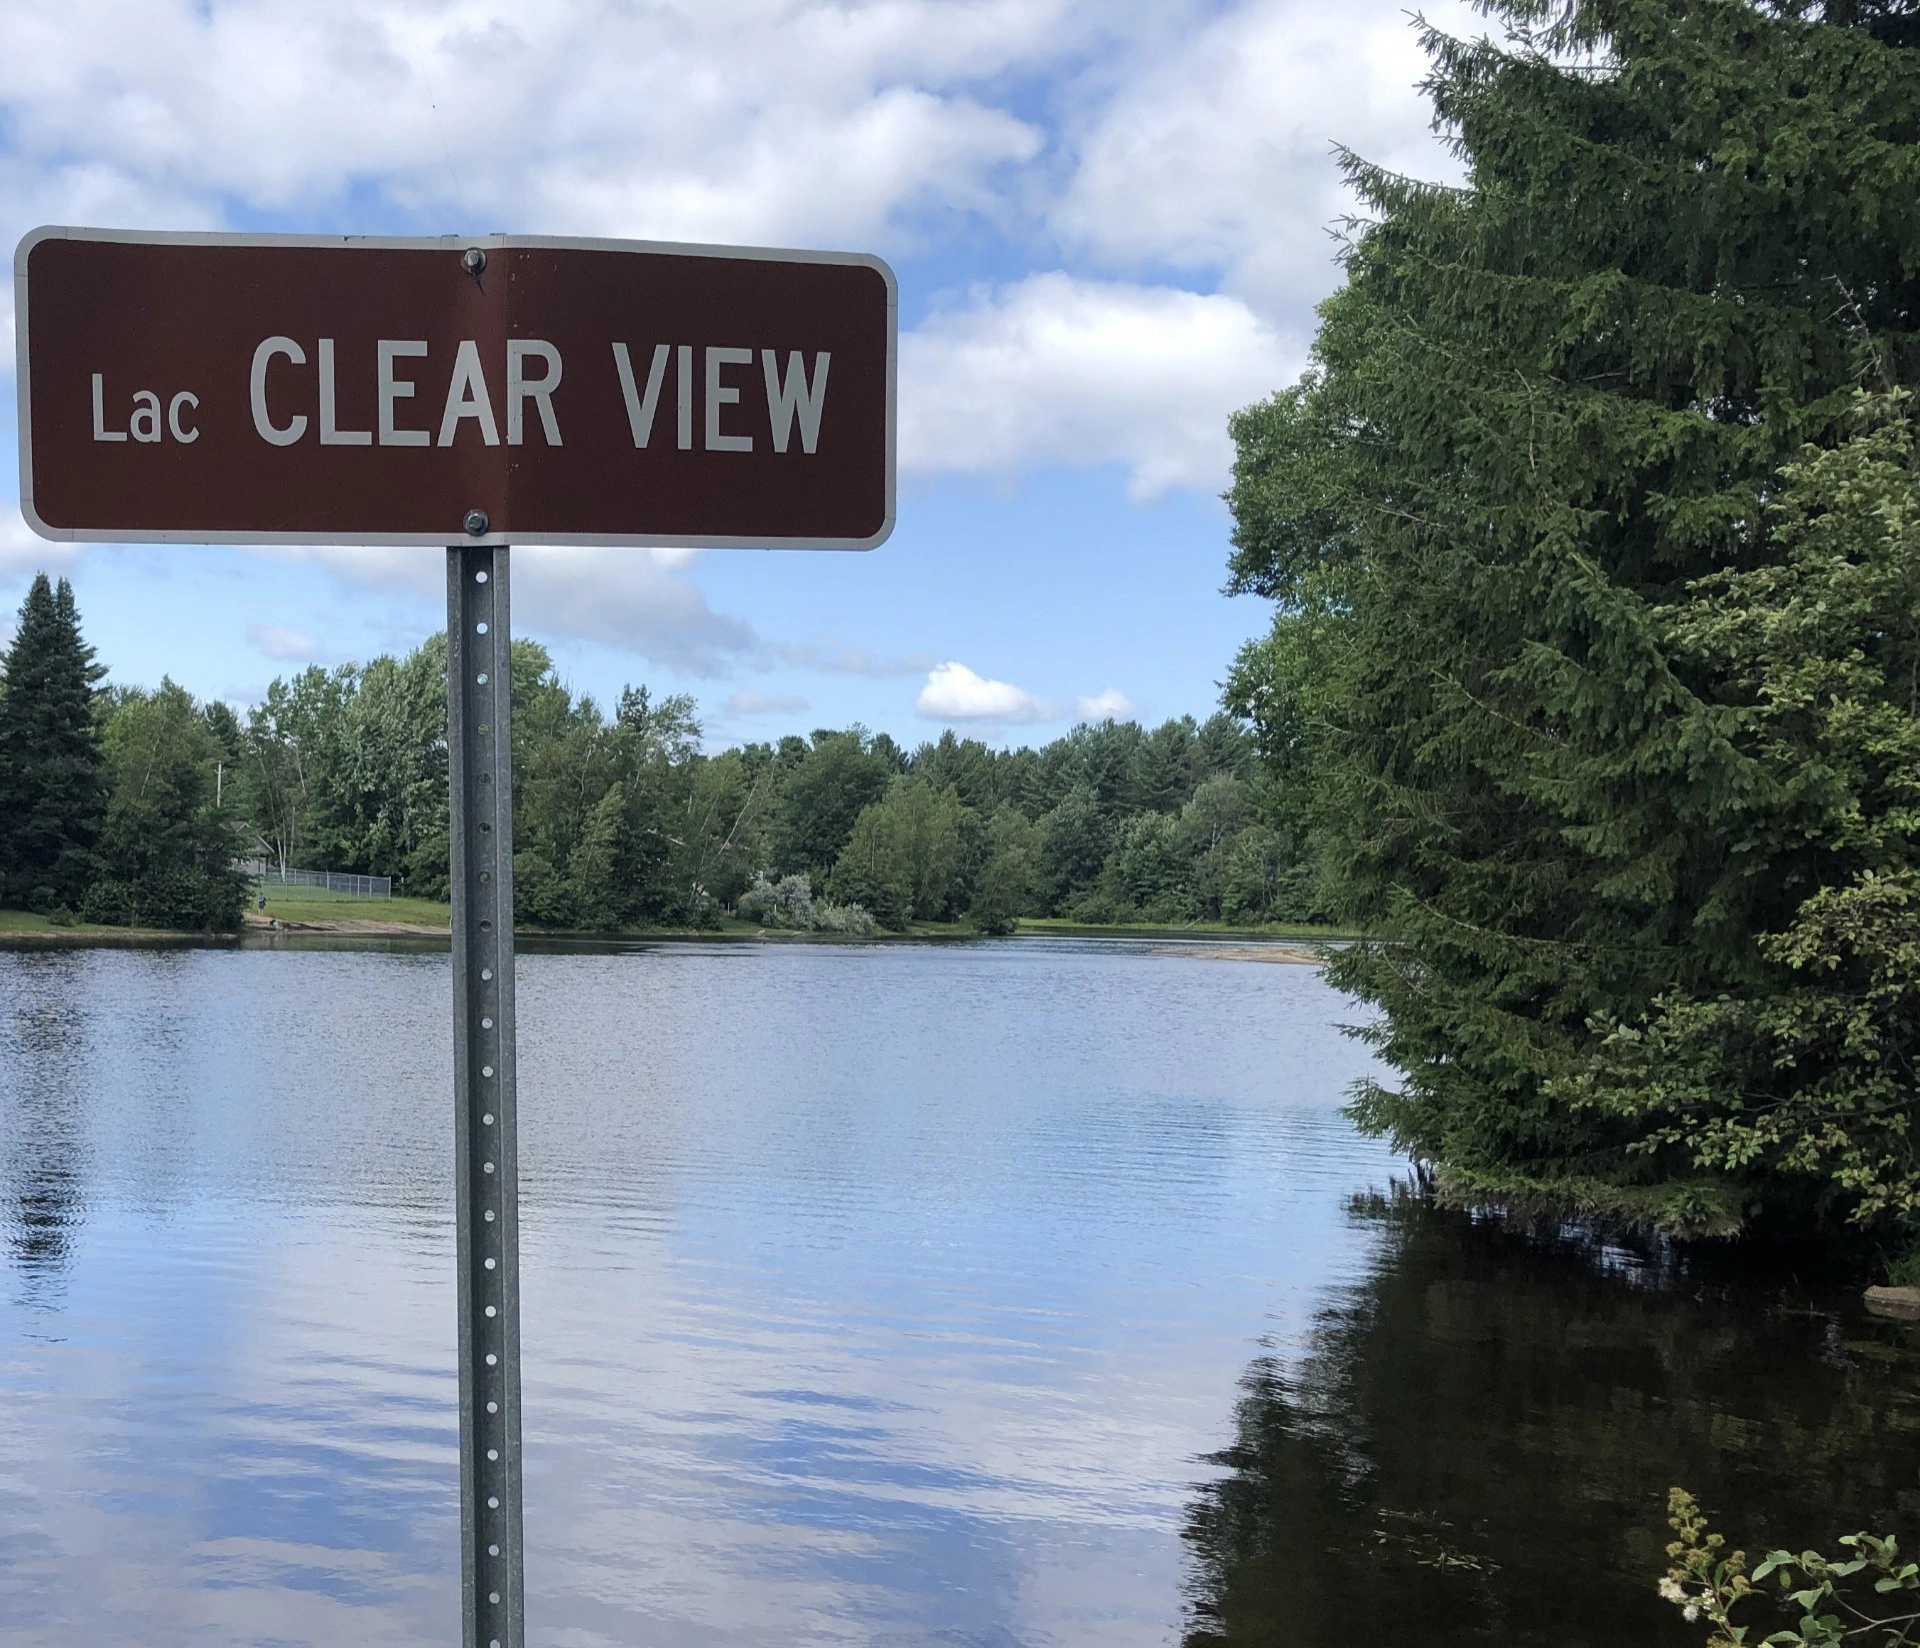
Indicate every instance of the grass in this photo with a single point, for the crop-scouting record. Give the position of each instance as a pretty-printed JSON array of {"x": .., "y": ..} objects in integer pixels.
[
  {"x": 1197, "y": 929},
  {"x": 308, "y": 905},
  {"x": 25, "y": 924},
  {"x": 313, "y": 906}
]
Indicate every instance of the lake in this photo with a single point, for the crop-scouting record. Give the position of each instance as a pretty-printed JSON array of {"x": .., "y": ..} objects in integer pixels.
[{"x": 976, "y": 1295}]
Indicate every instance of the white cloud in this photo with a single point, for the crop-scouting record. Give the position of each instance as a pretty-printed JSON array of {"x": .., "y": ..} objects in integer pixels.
[
  {"x": 282, "y": 643},
  {"x": 766, "y": 703},
  {"x": 723, "y": 119},
  {"x": 1108, "y": 705},
  {"x": 24, "y": 552},
  {"x": 1146, "y": 145},
  {"x": 1057, "y": 370},
  {"x": 384, "y": 567},
  {"x": 629, "y": 599},
  {"x": 1215, "y": 150},
  {"x": 835, "y": 657},
  {"x": 954, "y": 693}
]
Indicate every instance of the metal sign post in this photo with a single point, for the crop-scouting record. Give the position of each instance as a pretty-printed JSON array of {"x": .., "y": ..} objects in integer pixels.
[
  {"x": 299, "y": 389},
  {"x": 486, "y": 1157}
]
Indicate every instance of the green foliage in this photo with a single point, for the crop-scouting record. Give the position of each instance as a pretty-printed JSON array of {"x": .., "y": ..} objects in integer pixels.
[
  {"x": 1552, "y": 704},
  {"x": 1010, "y": 879},
  {"x": 52, "y": 778},
  {"x": 600, "y": 866},
  {"x": 1806, "y": 1076},
  {"x": 789, "y": 904},
  {"x": 911, "y": 856},
  {"x": 169, "y": 844},
  {"x": 1823, "y": 1595},
  {"x": 824, "y": 794},
  {"x": 623, "y": 820}
]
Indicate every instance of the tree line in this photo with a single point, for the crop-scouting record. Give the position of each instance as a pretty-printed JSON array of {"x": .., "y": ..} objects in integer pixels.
[
  {"x": 117, "y": 805},
  {"x": 1594, "y": 537},
  {"x": 133, "y": 806}
]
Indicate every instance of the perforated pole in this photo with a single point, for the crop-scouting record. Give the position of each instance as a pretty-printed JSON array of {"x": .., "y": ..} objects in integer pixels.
[{"x": 486, "y": 1158}]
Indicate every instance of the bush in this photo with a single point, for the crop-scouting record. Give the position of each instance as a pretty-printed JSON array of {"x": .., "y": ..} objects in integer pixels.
[
  {"x": 108, "y": 904},
  {"x": 1826, "y": 1596},
  {"x": 789, "y": 903},
  {"x": 187, "y": 900},
  {"x": 541, "y": 895}
]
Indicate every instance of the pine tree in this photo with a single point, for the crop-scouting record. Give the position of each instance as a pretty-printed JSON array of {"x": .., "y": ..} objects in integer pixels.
[
  {"x": 1546, "y": 405},
  {"x": 52, "y": 782}
]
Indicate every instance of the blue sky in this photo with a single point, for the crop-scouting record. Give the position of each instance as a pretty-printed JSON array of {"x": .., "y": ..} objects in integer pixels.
[{"x": 1110, "y": 223}]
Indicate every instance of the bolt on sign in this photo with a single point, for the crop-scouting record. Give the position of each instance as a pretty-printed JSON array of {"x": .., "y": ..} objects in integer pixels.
[{"x": 291, "y": 389}]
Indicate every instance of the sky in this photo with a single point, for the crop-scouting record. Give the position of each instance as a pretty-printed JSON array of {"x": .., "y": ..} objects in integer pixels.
[{"x": 1110, "y": 220}]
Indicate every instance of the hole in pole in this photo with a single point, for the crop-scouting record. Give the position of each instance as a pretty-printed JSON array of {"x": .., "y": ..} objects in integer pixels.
[
  {"x": 479, "y": 577},
  {"x": 492, "y": 1360},
  {"x": 480, "y": 629}
]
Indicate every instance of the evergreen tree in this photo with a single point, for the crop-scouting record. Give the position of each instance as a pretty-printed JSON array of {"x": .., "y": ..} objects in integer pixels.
[
  {"x": 52, "y": 783},
  {"x": 1545, "y": 407}
]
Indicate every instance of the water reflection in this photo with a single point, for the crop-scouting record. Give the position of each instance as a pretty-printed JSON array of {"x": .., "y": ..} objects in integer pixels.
[
  {"x": 873, "y": 1296},
  {"x": 45, "y": 1143},
  {"x": 1476, "y": 1442}
]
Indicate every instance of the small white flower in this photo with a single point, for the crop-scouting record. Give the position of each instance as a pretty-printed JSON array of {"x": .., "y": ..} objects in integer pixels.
[
  {"x": 1670, "y": 1589},
  {"x": 1689, "y": 1613}
]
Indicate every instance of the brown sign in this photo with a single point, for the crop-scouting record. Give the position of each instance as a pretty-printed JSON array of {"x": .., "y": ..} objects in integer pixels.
[{"x": 282, "y": 389}]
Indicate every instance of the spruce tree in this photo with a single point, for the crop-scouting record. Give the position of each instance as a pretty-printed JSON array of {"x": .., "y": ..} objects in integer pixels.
[
  {"x": 52, "y": 784},
  {"x": 1547, "y": 405}
]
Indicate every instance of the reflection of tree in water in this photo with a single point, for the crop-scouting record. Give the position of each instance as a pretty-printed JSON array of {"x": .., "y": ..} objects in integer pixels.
[
  {"x": 1477, "y": 1444},
  {"x": 41, "y": 1126}
]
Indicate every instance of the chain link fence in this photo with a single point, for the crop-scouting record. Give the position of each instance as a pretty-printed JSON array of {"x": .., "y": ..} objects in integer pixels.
[{"x": 334, "y": 883}]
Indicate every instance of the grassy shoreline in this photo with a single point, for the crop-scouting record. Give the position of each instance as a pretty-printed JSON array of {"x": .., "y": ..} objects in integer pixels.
[{"x": 423, "y": 918}]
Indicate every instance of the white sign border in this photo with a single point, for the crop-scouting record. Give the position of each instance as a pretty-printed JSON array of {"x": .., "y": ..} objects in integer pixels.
[{"x": 438, "y": 243}]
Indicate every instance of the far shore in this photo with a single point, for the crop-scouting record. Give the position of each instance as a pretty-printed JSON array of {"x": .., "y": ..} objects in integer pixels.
[{"x": 419, "y": 920}]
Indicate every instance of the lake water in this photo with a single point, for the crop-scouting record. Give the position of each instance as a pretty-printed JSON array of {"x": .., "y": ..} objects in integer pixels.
[{"x": 982, "y": 1296}]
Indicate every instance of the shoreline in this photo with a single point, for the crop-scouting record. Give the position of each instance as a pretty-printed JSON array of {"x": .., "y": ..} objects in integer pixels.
[{"x": 260, "y": 931}]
